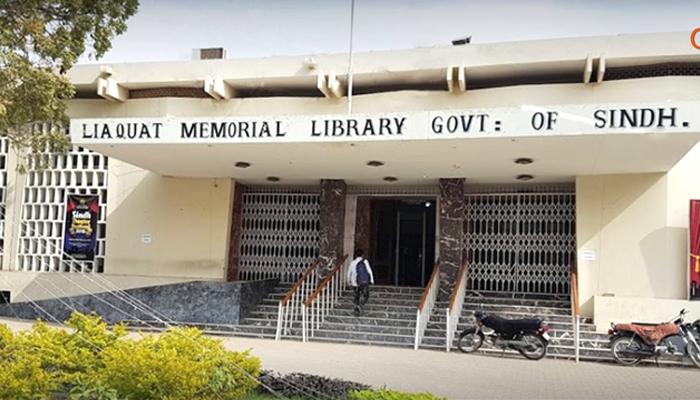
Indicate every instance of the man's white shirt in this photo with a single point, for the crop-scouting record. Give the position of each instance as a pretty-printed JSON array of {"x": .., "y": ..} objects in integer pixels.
[{"x": 352, "y": 271}]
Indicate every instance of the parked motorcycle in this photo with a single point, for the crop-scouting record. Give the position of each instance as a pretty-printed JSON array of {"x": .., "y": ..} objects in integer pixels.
[
  {"x": 528, "y": 336},
  {"x": 630, "y": 343}
]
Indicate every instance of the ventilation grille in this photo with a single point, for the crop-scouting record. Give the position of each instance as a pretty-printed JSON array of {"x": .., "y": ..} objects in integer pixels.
[
  {"x": 212, "y": 53},
  {"x": 650, "y": 71}
]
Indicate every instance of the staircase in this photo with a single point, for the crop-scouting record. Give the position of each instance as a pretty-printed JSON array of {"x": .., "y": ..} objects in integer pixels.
[
  {"x": 555, "y": 310},
  {"x": 388, "y": 318}
]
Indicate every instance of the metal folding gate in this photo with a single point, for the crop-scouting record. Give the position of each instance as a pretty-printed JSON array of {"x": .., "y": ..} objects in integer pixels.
[
  {"x": 279, "y": 236},
  {"x": 520, "y": 242}
]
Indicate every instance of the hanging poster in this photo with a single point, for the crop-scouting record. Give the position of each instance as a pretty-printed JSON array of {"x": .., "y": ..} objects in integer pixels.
[
  {"x": 80, "y": 236},
  {"x": 694, "y": 249}
]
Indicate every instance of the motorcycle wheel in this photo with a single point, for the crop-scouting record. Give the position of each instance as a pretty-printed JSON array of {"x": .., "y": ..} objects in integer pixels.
[
  {"x": 470, "y": 341},
  {"x": 622, "y": 343},
  {"x": 536, "y": 349},
  {"x": 693, "y": 353}
]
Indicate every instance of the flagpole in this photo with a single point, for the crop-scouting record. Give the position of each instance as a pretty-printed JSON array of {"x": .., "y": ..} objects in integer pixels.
[{"x": 352, "y": 28}]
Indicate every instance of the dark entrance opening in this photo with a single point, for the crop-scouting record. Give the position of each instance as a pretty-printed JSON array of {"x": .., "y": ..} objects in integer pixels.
[
  {"x": 4, "y": 297},
  {"x": 402, "y": 241}
]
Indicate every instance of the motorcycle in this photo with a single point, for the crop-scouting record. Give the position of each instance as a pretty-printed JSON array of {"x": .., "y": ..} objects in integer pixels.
[
  {"x": 630, "y": 343},
  {"x": 530, "y": 337}
]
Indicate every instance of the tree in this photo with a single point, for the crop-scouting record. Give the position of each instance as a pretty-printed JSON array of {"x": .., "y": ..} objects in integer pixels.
[{"x": 39, "y": 41}]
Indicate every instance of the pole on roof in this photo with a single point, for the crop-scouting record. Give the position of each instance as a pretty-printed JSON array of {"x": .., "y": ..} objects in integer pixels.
[{"x": 352, "y": 27}]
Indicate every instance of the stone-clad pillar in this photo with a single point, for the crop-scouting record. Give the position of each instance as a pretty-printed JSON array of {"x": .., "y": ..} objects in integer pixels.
[
  {"x": 234, "y": 252},
  {"x": 451, "y": 232},
  {"x": 332, "y": 223}
]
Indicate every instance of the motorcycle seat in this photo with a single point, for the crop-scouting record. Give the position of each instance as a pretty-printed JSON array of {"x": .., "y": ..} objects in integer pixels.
[
  {"x": 512, "y": 326},
  {"x": 650, "y": 334}
]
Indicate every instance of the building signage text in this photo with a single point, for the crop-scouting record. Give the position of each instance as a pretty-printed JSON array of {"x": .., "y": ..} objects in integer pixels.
[{"x": 523, "y": 121}]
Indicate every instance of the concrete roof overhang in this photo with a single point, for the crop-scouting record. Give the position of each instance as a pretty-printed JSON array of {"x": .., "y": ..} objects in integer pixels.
[
  {"x": 488, "y": 160},
  {"x": 584, "y": 139},
  {"x": 569, "y": 151},
  {"x": 484, "y": 65}
]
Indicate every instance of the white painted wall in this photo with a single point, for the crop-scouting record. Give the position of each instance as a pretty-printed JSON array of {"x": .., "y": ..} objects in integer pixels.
[
  {"x": 638, "y": 227},
  {"x": 188, "y": 220}
]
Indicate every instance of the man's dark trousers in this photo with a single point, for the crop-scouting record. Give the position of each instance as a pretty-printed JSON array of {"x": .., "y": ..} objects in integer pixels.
[{"x": 361, "y": 295}]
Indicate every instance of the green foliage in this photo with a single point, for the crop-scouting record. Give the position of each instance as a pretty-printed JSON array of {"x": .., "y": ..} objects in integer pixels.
[
  {"x": 94, "y": 362},
  {"x": 39, "y": 41},
  {"x": 178, "y": 364},
  {"x": 89, "y": 389},
  {"x": 298, "y": 384},
  {"x": 384, "y": 394}
]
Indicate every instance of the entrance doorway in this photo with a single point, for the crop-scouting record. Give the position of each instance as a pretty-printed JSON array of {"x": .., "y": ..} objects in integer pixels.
[{"x": 402, "y": 241}]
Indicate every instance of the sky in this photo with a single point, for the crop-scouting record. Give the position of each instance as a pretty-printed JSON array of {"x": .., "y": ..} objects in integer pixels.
[{"x": 168, "y": 30}]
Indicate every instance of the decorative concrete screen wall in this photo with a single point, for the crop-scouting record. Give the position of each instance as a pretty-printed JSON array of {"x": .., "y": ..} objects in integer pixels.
[
  {"x": 280, "y": 233},
  {"x": 43, "y": 213},
  {"x": 3, "y": 195}
]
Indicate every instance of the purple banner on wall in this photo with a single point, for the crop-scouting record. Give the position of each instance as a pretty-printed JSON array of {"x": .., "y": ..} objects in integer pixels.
[{"x": 80, "y": 231}]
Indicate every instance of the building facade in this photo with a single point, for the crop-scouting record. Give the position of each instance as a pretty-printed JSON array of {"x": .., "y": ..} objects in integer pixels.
[{"x": 527, "y": 161}]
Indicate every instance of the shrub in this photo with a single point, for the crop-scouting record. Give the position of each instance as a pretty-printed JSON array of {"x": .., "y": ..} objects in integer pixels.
[
  {"x": 178, "y": 364},
  {"x": 298, "y": 384},
  {"x": 384, "y": 394},
  {"x": 93, "y": 362}
]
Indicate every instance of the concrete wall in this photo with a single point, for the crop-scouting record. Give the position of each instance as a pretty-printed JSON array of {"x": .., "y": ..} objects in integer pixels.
[
  {"x": 188, "y": 220},
  {"x": 25, "y": 286},
  {"x": 638, "y": 227}
]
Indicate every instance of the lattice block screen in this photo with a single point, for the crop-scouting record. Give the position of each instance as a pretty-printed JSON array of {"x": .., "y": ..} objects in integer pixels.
[
  {"x": 280, "y": 235},
  {"x": 81, "y": 171},
  {"x": 3, "y": 194},
  {"x": 524, "y": 243}
]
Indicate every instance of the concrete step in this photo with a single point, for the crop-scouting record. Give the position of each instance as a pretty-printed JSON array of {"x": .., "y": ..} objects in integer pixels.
[
  {"x": 469, "y": 317},
  {"x": 529, "y": 302},
  {"x": 560, "y": 326},
  {"x": 519, "y": 296},
  {"x": 470, "y": 308}
]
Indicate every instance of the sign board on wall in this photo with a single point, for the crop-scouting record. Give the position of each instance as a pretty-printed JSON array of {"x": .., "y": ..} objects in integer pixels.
[
  {"x": 588, "y": 255},
  {"x": 586, "y": 119},
  {"x": 80, "y": 228}
]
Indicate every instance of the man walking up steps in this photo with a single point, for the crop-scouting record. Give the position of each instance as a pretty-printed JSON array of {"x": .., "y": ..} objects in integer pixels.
[{"x": 360, "y": 277}]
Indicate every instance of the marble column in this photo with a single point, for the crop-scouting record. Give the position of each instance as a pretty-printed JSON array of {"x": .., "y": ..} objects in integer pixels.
[
  {"x": 332, "y": 223},
  {"x": 451, "y": 232},
  {"x": 362, "y": 225},
  {"x": 234, "y": 251}
]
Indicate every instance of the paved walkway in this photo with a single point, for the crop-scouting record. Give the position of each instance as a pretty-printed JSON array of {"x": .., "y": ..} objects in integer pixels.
[{"x": 461, "y": 376}]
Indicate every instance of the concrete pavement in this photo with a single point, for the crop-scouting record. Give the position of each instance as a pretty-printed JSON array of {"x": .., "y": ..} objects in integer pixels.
[{"x": 466, "y": 376}]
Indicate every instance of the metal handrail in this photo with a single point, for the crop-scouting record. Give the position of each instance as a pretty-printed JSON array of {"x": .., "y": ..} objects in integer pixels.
[
  {"x": 427, "y": 303},
  {"x": 575, "y": 311},
  {"x": 455, "y": 308},
  {"x": 288, "y": 313},
  {"x": 322, "y": 300}
]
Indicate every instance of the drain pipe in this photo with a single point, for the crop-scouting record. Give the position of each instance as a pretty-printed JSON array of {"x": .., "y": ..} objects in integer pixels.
[{"x": 352, "y": 28}]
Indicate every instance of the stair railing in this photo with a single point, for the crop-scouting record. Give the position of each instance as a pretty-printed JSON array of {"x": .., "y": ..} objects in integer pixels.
[
  {"x": 575, "y": 311},
  {"x": 323, "y": 299},
  {"x": 427, "y": 303},
  {"x": 289, "y": 309},
  {"x": 454, "y": 311}
]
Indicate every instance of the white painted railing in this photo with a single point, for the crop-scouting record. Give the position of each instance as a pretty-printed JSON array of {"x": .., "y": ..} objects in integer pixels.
[
  {"x": 323, "y": 299},
  {"x": 289, "y": 310},
  {"x": 427, "y": 303},
  {"x": 454, "y": 311}
]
